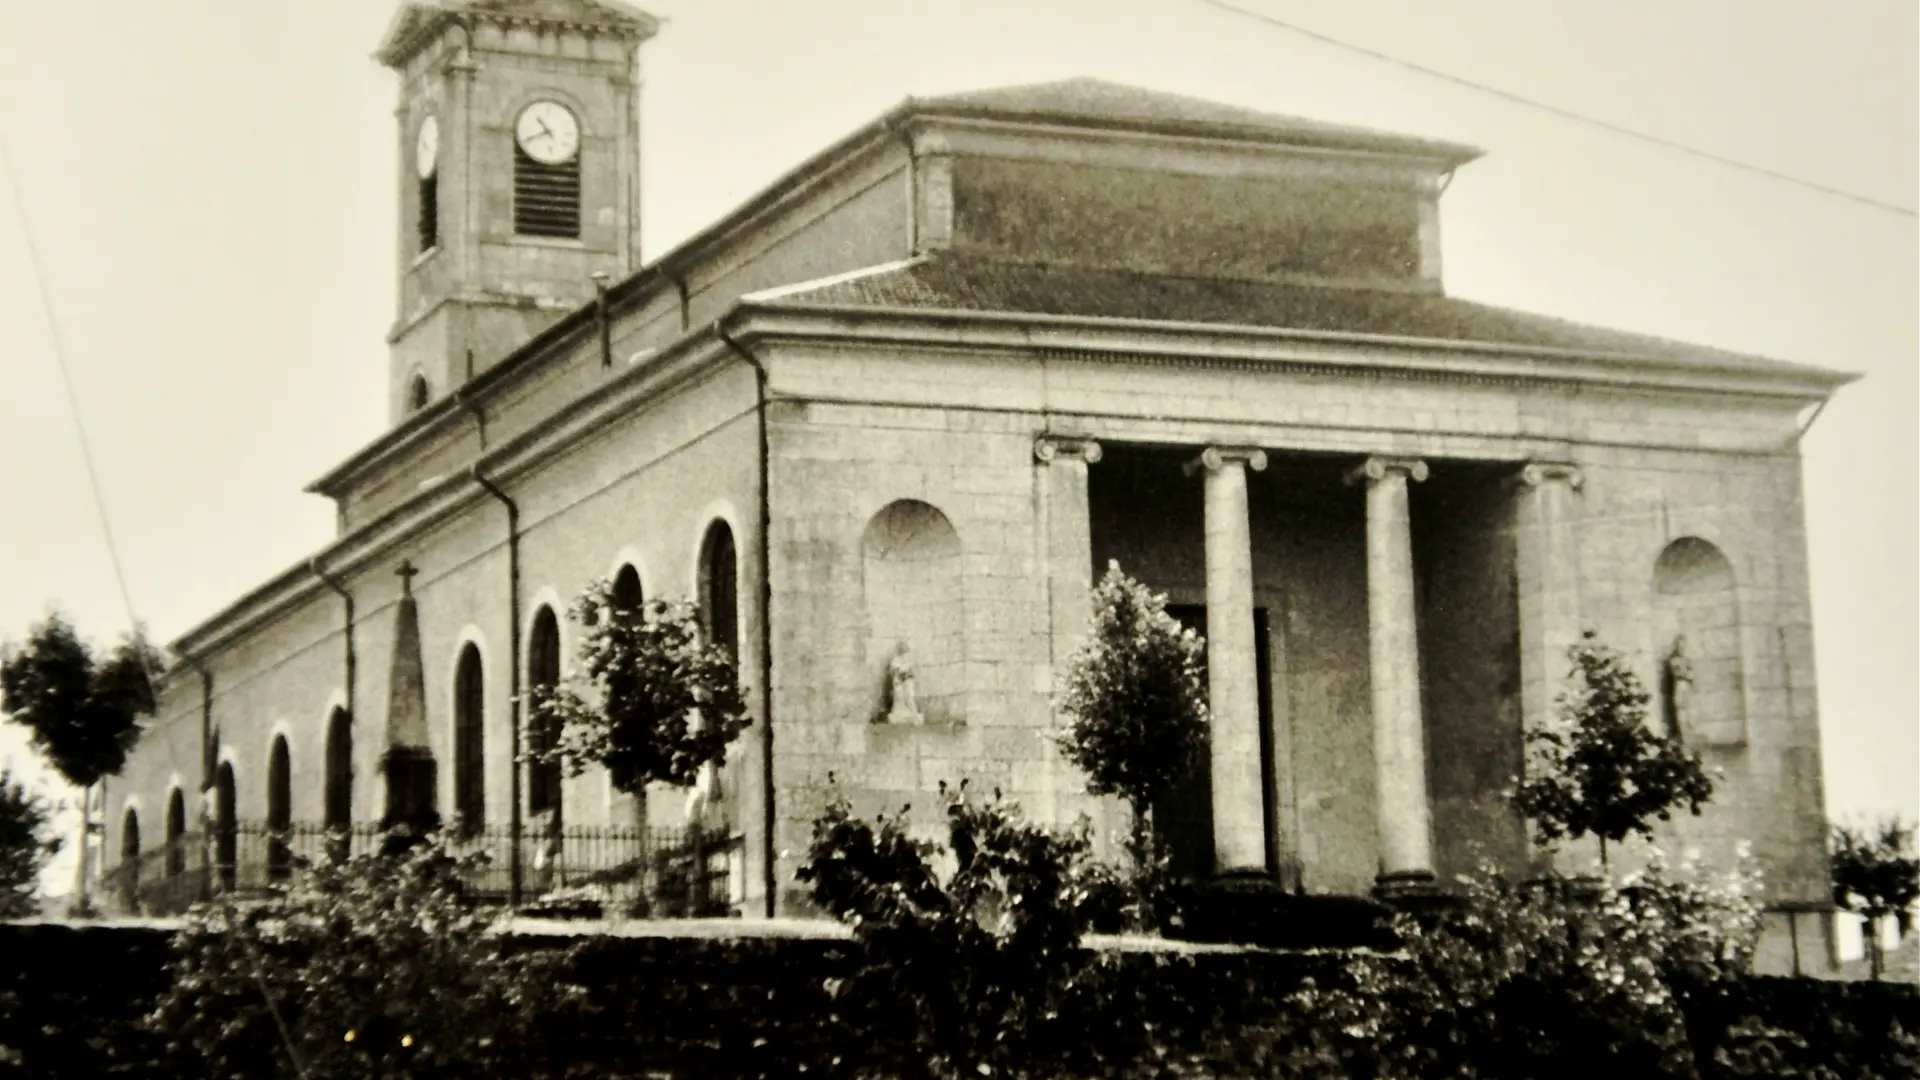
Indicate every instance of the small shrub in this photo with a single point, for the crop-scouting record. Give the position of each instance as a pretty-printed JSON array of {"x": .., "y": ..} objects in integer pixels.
[
  {"x": 1603, "y": 770},
  {"x": 1135, "y": 701}
]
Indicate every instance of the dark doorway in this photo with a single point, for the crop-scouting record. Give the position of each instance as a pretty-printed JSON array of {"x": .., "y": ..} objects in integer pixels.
[{"x": 1185, "y": 816}]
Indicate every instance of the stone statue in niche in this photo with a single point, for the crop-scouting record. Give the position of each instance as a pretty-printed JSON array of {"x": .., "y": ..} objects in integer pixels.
[
  {"x": 1679, "y": 686},
  {"x": 902, "y": 706}
]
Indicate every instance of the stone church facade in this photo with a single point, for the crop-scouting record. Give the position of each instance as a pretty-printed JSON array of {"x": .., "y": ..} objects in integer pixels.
[{"x": 916, "y": 394}]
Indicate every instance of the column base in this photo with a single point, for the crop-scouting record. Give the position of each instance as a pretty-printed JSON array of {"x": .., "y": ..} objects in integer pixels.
[{"x": 1412, "y": 891}]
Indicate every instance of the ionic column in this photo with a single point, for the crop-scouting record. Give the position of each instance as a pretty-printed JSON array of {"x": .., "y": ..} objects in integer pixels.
[
  {"x": 1233, "y": 697},
  {"x": 1546, "y": 550},
  {"x": 1547, "y": 573},
  {"x": 1066, "y": 543},
  {"x": 1399, "y": 737},
  {"x": 1069, "y": 537}
]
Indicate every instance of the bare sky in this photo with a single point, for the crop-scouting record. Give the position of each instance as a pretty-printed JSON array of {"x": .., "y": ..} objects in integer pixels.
[{"x": 212, "y": 185}]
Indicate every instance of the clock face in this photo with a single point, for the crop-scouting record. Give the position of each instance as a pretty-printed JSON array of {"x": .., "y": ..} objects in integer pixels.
[
  {"x": 426, "y": 152},
  {"x": 548, "y": 132}
]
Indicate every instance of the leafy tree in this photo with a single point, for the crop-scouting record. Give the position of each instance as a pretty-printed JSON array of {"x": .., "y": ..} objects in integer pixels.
[
  {"x": 379, "y": 966},
  {"x": 1134, "y": 696},
  {"x": 83, "y": 710},
  {"x": 652, "y": 701},
  {"x": 26, "y": 843},
  {"x": 1604, "y": 771},
  {"x": 1875, "y": 875},
  {"x": 975, "y": 947}
]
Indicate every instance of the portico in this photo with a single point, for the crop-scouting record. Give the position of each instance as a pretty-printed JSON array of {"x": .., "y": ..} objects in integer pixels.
[{"x": 1334, "y": 593}]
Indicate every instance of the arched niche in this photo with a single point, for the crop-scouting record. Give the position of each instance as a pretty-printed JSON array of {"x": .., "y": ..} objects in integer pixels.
[
  {"x": 1697, "y": 643},
  {"x": 130, "y": 850},
  {"x": 543, "y": 674},
  {"x": 911, "y": 580}
]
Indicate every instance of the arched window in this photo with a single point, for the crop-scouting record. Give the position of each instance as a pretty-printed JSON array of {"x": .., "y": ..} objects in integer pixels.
[
  {"x": 130, "y": 850},
  {"x": 627, "y": 595},
  {"x": 719, "y": 591},
  {"x": 1697, "y": 641},
  {"x": 418, "y": 394},
  {"x": 176, "y": 833},
  {"x": 338, "y": 811},
  {"x": 279, "y": 810},
  {"x": 910, "y": 575},
  {"x": 226, "y": 826},
  {"x": 469, "y": 741},
  {"x": 543, "y": 674}
]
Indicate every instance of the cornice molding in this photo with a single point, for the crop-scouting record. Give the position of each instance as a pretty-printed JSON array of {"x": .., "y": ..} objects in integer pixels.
[{"x": 1248, "y": 348}]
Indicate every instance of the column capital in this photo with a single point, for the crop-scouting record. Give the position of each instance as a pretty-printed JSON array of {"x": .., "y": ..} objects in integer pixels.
[
  {"x": 1048, "y": 448},
  {"x": 1378, "y": 467},
  {"x": 1535, "y": 473},
  {"x": 1215, "y": 458}
]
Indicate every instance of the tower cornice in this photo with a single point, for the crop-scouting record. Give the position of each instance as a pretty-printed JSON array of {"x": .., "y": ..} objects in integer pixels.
[{"x": 420, "y": 22}]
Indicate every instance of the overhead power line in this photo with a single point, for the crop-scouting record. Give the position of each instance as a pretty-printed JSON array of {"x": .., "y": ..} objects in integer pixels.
[
  {"x": 66, "y": 380},
  {"x": 1564, "y": 114}
]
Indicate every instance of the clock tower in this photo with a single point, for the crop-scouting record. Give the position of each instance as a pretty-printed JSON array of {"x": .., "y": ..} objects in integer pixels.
[{"x": 519, "y": 178}]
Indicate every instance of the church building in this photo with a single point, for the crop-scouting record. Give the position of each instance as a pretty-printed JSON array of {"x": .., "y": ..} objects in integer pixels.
[{"x": 900, "y": 410}]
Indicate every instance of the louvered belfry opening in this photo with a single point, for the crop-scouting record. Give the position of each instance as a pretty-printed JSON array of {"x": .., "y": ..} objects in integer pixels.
[
  {"x": 429, "y": 222},
  {"x": 546, "y": 198}
]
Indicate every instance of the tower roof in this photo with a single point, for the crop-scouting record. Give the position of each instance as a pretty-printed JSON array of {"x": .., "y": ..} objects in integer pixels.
[
  {"x": 1096, "y": 103},
  {"x": 418, "y": 21}
]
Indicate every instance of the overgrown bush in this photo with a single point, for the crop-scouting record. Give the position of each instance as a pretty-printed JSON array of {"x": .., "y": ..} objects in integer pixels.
[
  {"x": 375, "y": 967},
  {"x": 1549, "y": 977},
  {"x": 973, "y": 948}
]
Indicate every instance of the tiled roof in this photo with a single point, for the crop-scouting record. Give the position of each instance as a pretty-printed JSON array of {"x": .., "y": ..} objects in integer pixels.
[
  {"x": 960, "y": 282},
  {"x": 1095, "y": 102}
]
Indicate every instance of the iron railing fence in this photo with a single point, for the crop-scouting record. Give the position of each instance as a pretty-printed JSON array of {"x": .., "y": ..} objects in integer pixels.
[{"x": 577, "y": 869}]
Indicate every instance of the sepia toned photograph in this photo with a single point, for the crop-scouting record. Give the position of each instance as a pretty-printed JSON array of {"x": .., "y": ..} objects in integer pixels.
[{"x": 1028, "y": 539}]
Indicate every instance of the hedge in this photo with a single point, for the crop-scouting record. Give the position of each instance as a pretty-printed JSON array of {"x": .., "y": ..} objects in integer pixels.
[{"x": 750, "y": 1007}]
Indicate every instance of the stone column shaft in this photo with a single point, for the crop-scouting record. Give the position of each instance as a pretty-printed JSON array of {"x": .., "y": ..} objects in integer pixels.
[
  {"x": 1239, "y": 814},
  {"x": 1547, "y": 573},
  {"x": 1067, "y": 560},
  {"x": 1399, "y": 735},
  {"x": 1546, "y": 550}
]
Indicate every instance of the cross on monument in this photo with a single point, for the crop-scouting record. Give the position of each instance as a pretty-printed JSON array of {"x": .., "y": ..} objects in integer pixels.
[{"x": 407, "y": 571}]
